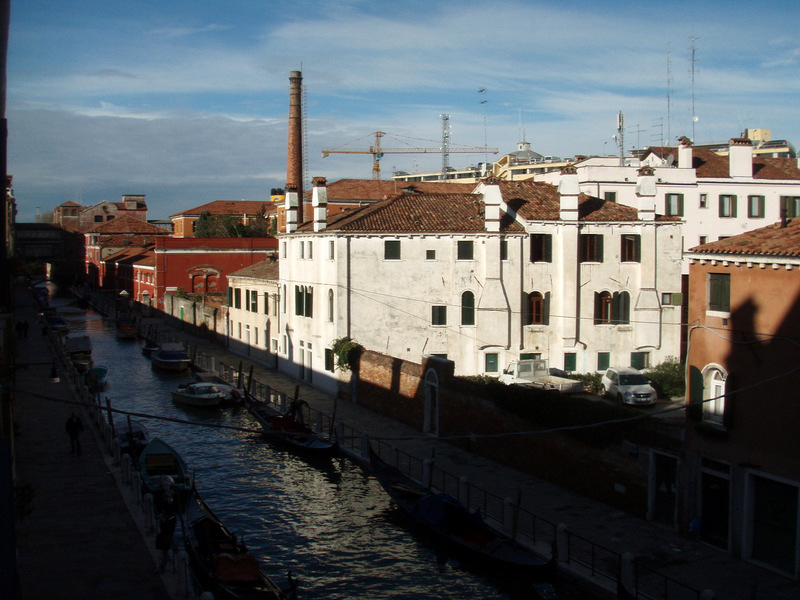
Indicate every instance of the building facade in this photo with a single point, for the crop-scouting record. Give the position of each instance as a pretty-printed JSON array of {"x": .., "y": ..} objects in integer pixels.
[
  {"x": 741, "y": 464},
  {"x": 514, "y": 270}
]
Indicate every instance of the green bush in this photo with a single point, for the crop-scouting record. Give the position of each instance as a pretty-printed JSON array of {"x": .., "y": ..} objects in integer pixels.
[
  {"x": 669, "y": 378},
  {"x": 590, "y": 380}
]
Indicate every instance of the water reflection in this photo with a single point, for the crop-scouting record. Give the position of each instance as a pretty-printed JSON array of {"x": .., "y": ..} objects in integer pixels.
[{"x": 330, "y": 523}]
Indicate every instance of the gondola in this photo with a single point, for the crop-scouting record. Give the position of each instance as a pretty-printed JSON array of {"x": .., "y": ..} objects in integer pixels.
[
  {"x": 288, "y": 428},
  {"x": 164, "y": 474},
  {"x": 220, "y": 562},
  {"x": 464, "y": 532}
]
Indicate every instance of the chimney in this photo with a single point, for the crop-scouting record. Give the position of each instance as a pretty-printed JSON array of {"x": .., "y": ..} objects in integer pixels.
[
  {"x": 291, "y": 208},
  {"x": 568, "y": 190},
  {"x": 294, "y": 161},
  {"x": 492, "y": 198},
  {"x": 646, "y": 193},
  {"x": 684, "y": 153},
  {"x": 319, "y": 200},
  {"x": 740, "y": 158}
]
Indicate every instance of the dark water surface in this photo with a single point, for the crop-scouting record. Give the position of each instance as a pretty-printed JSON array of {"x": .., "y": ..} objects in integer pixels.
[{"x": 330, "y": 523}]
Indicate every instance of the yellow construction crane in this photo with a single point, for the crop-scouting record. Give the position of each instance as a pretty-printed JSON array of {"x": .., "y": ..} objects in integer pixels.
[{"x": 378, "y": 152}]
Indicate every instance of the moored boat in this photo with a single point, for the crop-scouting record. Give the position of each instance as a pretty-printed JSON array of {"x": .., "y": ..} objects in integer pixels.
[
  {"x": 95, "y": 377},
  {"x": 204, "y": 395},
  {"x": 149, "y": 347},
  {"x": 164, "y": 473},
  {"x": 290, "y": 427},
  {"x": 221, "y": 562},
  {"x": 463, "y": 531},
  {"x": 132, "y": 436},
  {"x": 79, "y": 350},
  {"x": 126, "y": 328},
  {"x": 171, "y": 356}
]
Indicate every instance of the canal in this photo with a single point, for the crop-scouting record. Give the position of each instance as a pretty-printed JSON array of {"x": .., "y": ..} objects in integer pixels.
[{"x": 330, "y": 522}]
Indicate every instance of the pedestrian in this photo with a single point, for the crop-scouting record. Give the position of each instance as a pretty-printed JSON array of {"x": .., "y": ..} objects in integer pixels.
[
  {"x": 165, "y": 538},
  {"x": 74, "y": 427}
]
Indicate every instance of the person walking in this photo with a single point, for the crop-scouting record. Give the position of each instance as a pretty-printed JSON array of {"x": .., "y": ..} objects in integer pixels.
[{"x": 74, "y": 428}]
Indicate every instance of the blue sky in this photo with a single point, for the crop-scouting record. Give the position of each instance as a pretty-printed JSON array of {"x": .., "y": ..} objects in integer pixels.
[{"x": 186, "y": 101}]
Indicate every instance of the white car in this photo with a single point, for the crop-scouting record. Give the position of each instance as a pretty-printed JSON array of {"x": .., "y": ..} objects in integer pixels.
[{"x": 628, "y": 386}]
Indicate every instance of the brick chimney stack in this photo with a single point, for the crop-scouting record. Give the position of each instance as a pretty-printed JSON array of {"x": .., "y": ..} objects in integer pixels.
[{"x": 294, "y": 161}]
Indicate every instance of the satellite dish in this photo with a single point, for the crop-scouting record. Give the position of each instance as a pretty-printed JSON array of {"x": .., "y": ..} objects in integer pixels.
[{"x": 670, "y": 159}]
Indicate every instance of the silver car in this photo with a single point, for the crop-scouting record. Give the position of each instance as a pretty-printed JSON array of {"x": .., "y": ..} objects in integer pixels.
[{"x": 628, "y": 386}]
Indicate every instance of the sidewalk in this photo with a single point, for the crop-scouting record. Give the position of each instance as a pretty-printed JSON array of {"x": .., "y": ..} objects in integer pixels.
[
  {"x": 79, "y": 540},
  {"x": 691, "y": 563}
]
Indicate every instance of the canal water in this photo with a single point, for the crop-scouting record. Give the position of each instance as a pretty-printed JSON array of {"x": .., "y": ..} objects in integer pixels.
[{"x": 330, "y": 522}]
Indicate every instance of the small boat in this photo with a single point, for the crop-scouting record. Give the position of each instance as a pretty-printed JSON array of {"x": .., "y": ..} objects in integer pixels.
[
  {"x": 289, "y": 428},
  {"x": 171, "y": 356},
  {"x": 132, "y": 436},
  {"x": 462, "y": 530},
  {"x": 234, "y": 395},
  {"x": 149, "y": 347},
  {"x": 126, "y": 328},
  {"x": 79, "y": 349},
  {"x": 205, "y": 395},
  {"x": 164, "y": 473},
  {"x": 57, "y": 324},
  {"x": 95, "y": 377},
  {"x": 220, "y": 562}
]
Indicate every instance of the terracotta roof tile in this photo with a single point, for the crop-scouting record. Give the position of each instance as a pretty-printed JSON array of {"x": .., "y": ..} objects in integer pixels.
[
  {"x": 126, "y": 224},
  {"x": 370, "y": 189},
  {"x": 772, "y": 240},
  {"x": 266, "y": 269},
  {"x": 229, "y": 207}
]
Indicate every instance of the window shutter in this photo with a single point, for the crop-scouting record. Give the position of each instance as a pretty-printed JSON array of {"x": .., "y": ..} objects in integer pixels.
[
  {"x": 548, "y": 248},
  {"x": 546, "y": 309},
  {"x": 721, "y": 205},
  {"x": 229, "y": 298},
  {"x": 615, "y": 308},
  {"x": 598, "y": 309},
  {"x": 599, "y": 246},
  {"x": 680, "y": 205},
  {"x": 733, "y": 206}
]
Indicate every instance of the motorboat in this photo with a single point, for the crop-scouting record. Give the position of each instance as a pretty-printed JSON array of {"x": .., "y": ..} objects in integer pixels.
[
  {"x": 132, "y": 436},
  {"x": 79, "y": 350},
  {"x": 126, "y": 328},
  {"x": 202, "y": 394},
  {"x": 171, "y": 356}
]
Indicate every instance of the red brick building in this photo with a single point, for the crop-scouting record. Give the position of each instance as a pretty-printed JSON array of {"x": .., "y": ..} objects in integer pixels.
[
  {"x": 201, "y": 265},
  {"x": 741, "y": 467}
]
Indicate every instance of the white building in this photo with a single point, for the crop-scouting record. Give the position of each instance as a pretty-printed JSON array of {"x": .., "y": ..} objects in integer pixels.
[
  {"x": 717, "y": 195},
  {"x": 515, "y": 269},
  {"x": 252, "y": 322}
]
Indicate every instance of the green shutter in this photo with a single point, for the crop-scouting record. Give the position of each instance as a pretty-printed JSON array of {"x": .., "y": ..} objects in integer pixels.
[
  {"x": 570, "y": 361},
  {"x": 733, "y": 206},
  {"x": 680, "y": 205},
  {"x": 548, "y": 248},
  {"x": 546, "y": 309}
]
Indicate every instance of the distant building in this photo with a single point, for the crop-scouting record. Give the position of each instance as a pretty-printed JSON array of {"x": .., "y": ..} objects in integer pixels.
[
  {"x": 131, "y": 205},
  {"x": 740, "y": 471},
  {"x": 185, "y": 222}
]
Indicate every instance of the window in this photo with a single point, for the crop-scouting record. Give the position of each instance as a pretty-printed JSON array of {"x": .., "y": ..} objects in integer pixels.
[
  {"x": 391, "y": 250},
  {"x": 755, "y": 207},
  {"x": 329, "y": 363},
  {"x": 719, "y": 292},
  {"x": 673, "y": 205},
  {"x": 468, "y": 308},
  {"x": 439, "y": 315},
  {"x": 283, "y": 250},
  {"x": 714, "y": 395},
  {"x": 330, "y": 306},
  {"x": 612, "y": 309},
  {"x": 671, "y": 298},
  {"x": 703, "y": 239},
  {"x": 303, "y": 301},
  {"x": 491, "y": 363},
  {"x": 703, "y": 200},
  {"x": 610, "y": 196},
  {"x": 503, "y": 249},
  {"x": 541, "y": 247},
  {"x": 302, "y": 249},
  {"x": 330, "y": 250},
  {"x": 630, "y": 248},
  {"x": 253, "y": 301},
  {"x": 465, "y": 251},
  {"x": 791, "y": 205},
  {"x": 283, "y": 296},
  {"x": 229, "y": 296},
  {"x": 255, "y": 336},
  {"x": 727, "y": 206},
  {"x": 640, "y": 360},
  {"x": 590, "y": 248},
  {"x": 98, "y": 218},
  {"x": 570, "y": 361},
  {"x": 430, "y": 255},
  {"x": 603, "y": 361},
  {"x": 237, "y": 298},
  {"x": 538, "y": 309},
  {"x": 310, "y": 250},
  {"x": 266, "y": 303}
]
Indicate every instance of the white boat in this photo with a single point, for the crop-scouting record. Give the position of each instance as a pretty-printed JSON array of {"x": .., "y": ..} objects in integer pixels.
[
  {"x": 206, "y": 395},
  {"x": 132, "y": 436},
  {"x": 171, "y": 356}
]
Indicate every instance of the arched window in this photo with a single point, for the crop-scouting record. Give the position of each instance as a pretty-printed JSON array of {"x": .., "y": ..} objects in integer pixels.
[
  {"x": 330, "y": 306},
  {"x": 621, "y": 307},
  {"x": 537, "y": 309},
  {"x": 468, "y": 308},
  {"x": 714, "y": 394},
  {"x": 602, "y": 308}
]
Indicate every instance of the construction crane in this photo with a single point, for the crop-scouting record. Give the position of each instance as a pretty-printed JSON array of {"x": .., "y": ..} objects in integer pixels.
[{"x": 378, "y": 152}]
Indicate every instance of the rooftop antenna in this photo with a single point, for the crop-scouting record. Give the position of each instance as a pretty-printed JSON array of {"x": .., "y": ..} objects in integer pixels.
[
  {"x": 693, "y": 51},
  {"x": 482, "y": 92},
  {"x": 445, "y": 146},
  {"x": 669, "y": 91},
  {"x": 621, "y": 138}
]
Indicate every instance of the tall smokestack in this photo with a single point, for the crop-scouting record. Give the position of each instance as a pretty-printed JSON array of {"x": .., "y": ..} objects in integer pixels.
[{"x": 294, "y": 163}]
